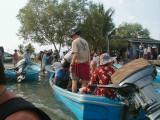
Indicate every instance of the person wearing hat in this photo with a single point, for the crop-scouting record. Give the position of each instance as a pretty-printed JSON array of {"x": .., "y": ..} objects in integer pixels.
[
  {"x": 27, "y": 59},
  {"x": 27, "y": 56},
  {"x": 79, "y": 67},
  {"x": 15, "y": 57},
  {"x": 101, "y": 76},
  {"x": 56, "y": 55},
  {"x": 13, "y": 107}
]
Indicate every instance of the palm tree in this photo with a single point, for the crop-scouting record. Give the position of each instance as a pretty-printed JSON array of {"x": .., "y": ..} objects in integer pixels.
[
  {"x": 21, "y": 49},
  {"x": 97, "y": 26},
  {"x": 31, "y": 48}
]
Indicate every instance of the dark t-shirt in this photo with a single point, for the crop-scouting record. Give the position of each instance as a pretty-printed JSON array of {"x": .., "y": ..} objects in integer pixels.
[{"x": 17, "y": 104}]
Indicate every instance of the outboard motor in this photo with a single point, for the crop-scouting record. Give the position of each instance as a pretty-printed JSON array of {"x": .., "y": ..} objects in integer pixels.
[
  {"x": 135, "y": 84},
  {"x": 20, "y": 63},
  {"x": 20, "y": 73}
]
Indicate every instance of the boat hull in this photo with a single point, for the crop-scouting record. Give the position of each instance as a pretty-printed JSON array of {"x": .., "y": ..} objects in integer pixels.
[
  {"x": 91, "y": 107},
  {"x": 32, "y": 72}
]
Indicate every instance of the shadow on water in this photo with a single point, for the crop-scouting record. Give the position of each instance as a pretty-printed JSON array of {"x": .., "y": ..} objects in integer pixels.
[{"x": 41, "y": 95}]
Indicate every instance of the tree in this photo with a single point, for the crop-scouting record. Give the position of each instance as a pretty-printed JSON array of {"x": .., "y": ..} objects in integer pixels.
[
  {"x": 49, "y": 21},
  {"x": 135, "y": 30},
  {"x": 117, "y": 45},
  {"x": 21, "y": 49},
  {"x": 126, "y": 30},
  {"x": 97, "y": 26},
  {"x": 31, "y": 48}
]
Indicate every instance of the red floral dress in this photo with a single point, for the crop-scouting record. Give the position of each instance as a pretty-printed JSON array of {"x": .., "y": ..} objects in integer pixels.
[{"x": 101, "y": 76}]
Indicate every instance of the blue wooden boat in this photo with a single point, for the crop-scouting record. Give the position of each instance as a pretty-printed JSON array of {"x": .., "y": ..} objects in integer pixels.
[
  {"x": 7, "y": 57},
  {"x": 158, "y": 74},
  {"x": 136, "y": 97},
  {"x": 31, "y": 72},
  {"x": 91, "y": 107}
]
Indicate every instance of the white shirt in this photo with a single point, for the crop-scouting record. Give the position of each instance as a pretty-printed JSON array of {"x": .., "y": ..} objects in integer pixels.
[
  {"x": 68, "y": 57},
  {"x": 149, "y": 49},
  {"x": 27, "y": 57},
  {"x": 56, "y": 66},
  {"x": 145, "y": 51}
]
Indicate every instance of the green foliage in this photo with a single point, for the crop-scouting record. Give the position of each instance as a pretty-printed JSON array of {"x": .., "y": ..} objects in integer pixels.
[
  {"x": 97, "y": 26},
  {"x": 135, "y": 30},
  {"x": 22, "y": 48},
  {"x": 49, "y": 21},
  {"x": 31, "y": 48},
  {"x": 118, "y": 44}
]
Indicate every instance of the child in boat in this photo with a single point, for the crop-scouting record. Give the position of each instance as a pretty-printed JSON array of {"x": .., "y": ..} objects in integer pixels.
[
  {"x": 101, "y": 76},
  {"x": 62, "y": 75}
]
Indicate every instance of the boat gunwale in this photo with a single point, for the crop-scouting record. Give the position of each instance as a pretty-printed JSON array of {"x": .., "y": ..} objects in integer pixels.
[{"x": 57, "y": 89}]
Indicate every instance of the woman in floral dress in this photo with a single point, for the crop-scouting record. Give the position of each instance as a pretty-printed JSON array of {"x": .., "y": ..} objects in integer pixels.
[{"x": 101, "y": 76}]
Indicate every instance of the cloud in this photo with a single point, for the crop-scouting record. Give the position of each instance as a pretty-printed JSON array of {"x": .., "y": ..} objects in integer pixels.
[
  {"x": 131, "y": 17},
  {"x": 121, "y": 1}
]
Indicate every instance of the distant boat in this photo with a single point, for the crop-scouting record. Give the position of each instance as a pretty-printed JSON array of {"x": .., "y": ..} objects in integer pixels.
[
  {"x": 7, "y": 57},
  {"x": 31, "y": 72}
]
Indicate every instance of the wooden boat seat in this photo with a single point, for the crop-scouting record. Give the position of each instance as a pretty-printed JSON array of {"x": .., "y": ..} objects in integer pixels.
[{"x": 129, "y": 69}]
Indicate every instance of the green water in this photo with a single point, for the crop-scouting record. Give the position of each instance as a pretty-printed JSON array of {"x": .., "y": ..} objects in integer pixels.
[{"x": 41, "y": 95}]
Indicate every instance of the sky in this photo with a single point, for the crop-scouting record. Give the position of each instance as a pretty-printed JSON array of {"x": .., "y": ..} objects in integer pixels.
[{"x": 144, "y": 12}]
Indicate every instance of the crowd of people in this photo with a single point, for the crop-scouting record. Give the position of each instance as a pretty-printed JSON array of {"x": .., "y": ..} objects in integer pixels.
[
  {"x": 78, "y": 66},
  {"x": 145, "y": 51},
  {"x": 74, "y": 66}
]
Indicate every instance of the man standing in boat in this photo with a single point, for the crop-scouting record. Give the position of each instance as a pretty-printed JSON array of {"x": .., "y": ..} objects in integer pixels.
[
  {"x": 27, "y": 59},
  {"x": 79, "y": 67}
]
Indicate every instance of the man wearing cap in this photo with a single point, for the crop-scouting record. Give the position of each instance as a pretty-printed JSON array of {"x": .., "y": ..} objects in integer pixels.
[
  {"x": 27, "y": 59},
  {"x": 79, "y": 67}
]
